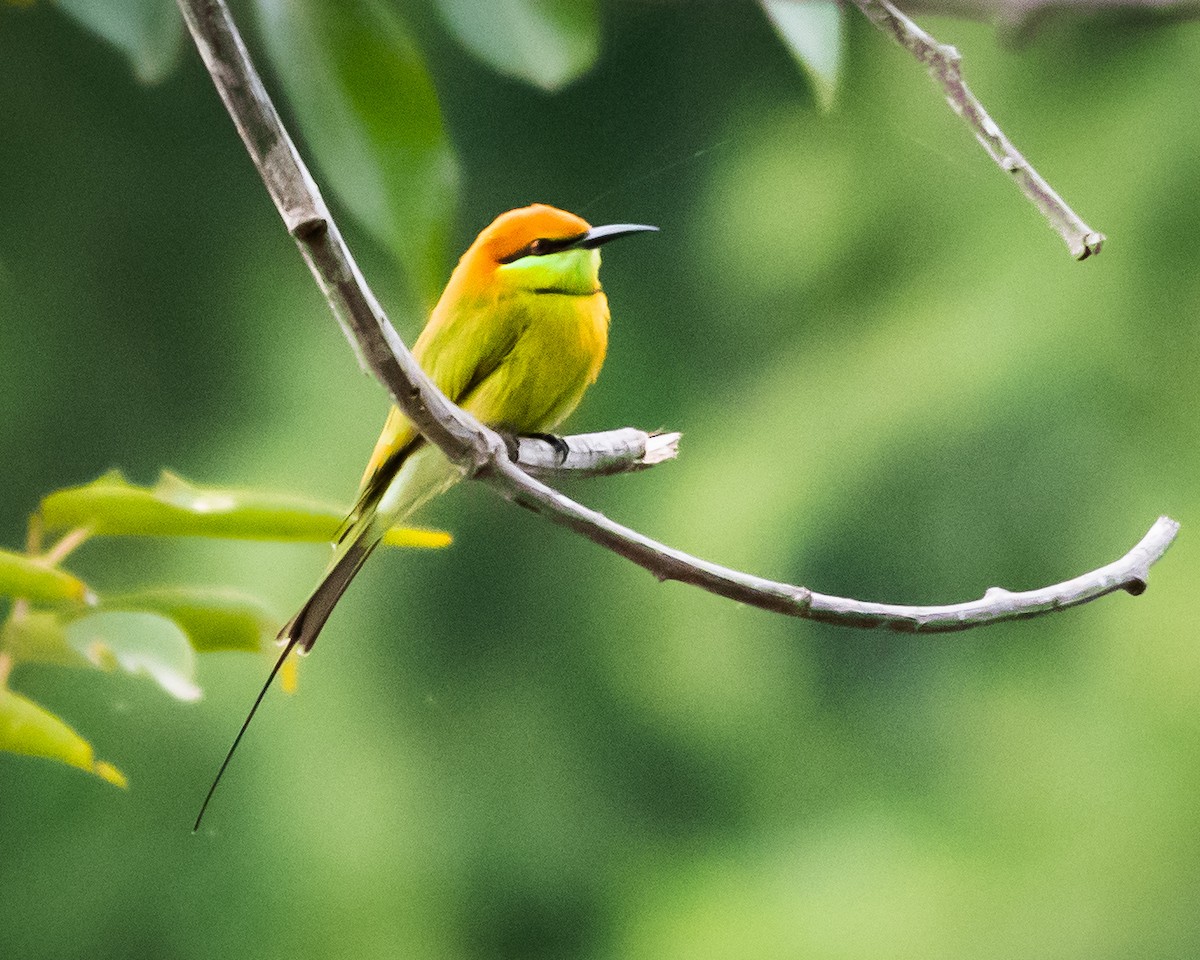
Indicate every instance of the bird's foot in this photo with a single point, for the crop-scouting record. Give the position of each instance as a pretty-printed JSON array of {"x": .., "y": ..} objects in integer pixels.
[
  {"x": 557, "y": 442},
  {"x": 512, "y": 443}
]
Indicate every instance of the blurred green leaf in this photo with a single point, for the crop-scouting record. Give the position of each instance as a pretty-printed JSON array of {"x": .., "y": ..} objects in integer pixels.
[
  {"x": 812, "y": 31},
  {"x": 35, "y": 579},
  {"x": 366, "y": 103},
  {"x": 148, "y": 32},
  {"x": 34, "y": 731},
  {"x": 112, "y": 506},
  {"x": 39, "y": 636},
  {"x": 417, "y": 537},
  {"x": 212, "y": 619},
  {"x": 138, "y": 642},
  {"x": 547, "y": 43}
]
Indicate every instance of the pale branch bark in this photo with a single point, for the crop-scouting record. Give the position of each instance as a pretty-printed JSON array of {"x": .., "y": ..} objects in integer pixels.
[
  {"x": 598, "y": 454},
  {"x": 944, "y": 65},
  {"x": 482, "y": 453}
]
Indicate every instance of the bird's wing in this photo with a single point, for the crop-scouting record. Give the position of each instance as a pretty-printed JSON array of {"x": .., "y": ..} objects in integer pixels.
[
  {"x": 458, "y": 349},
  {"x": 461, "y": 350}
]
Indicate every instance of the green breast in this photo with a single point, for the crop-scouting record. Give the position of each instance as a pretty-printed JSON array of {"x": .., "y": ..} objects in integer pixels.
[{"x": 557, "y": 354}]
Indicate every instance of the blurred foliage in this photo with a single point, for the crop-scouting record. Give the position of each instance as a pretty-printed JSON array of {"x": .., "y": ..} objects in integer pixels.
[
  {"x": 28, "y": 728},
  {"x": 154, "y": 631},
  {"x": 547, "y": 43},
  {"x": 893, "y": 384},
  {"x": 112, "y": 506},
  {"x": 366, "y": 104},
  {"x": 812, "y": 31},
  {"x": 35, "y": 579},
  {"x": 149, "y": 33}
]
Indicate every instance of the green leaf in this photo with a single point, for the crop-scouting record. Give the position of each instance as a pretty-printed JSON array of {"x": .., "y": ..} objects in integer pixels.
[
  {"x": 212, "y": 619},
  {"x": 35, "y": 579},
  {"x": 39, "y": 636},
  {"x": 547, "y": 43},
  {"x": 368, "y": 108},
  {"x": 34, "y": 731},
  {"x": 112, "y": 506},
  {"x": 812, "y": 31},
  {"x": 148, "y": 32},
  {"x": 138, "y": 642}
]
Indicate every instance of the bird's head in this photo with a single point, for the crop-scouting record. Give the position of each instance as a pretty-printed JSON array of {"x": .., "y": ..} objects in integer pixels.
[{"x": 542, "y": 249}]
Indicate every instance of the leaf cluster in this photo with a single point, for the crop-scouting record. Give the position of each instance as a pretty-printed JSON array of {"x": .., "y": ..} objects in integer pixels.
[{"x": 59, "y": 620}]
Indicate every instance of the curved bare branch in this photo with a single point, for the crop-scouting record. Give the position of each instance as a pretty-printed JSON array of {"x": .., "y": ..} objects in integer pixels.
[{"x": 482, "y": 453}]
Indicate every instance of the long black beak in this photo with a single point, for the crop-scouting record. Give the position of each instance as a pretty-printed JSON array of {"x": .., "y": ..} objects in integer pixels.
[{"x": 600, "y": 235}]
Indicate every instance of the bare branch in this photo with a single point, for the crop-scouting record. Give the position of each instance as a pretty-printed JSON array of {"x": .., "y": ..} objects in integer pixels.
[
  {"x": 598, "y": 454},
  {"x": 482, "y": 453},
  {"x": 1129, "y": 573},
  {"x": 944, "y": 65}
]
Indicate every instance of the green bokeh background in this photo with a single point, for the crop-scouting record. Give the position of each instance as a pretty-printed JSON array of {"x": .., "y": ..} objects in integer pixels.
[{"x": 893, "y": 383}]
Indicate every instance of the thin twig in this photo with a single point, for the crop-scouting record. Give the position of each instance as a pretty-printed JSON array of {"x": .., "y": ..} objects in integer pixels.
[
  {"x": 71, "y": 541},
  {"x": 944, "y": 65},
  {"x": 482, "y": 453}
]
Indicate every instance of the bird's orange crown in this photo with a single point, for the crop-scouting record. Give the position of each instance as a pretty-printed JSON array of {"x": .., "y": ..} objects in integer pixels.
[{"x": 513, "y": 232}]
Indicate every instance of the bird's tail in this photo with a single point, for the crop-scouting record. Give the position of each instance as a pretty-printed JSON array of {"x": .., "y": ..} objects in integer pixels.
[
  {"x": 361, "y": 537},
  {"x": 393, "y": 491},
  {"x": 356, "y": 539},
  {"x": 397, "y": 487},
  {"x": 304, "y": 628}
]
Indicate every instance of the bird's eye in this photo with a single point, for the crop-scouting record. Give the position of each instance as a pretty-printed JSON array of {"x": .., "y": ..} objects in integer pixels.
[{"x": 534, "y": 248}]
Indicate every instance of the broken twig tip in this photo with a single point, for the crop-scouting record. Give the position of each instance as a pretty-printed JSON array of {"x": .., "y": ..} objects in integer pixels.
[
  {"x": 1090, "y": 245},
  {"x": 1135, "y": 586}
]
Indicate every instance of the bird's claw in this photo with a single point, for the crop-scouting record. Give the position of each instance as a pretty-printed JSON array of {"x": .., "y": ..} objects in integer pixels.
[
  {"x": 512, "y": 443},
  {"x": 558, "y": 443}
]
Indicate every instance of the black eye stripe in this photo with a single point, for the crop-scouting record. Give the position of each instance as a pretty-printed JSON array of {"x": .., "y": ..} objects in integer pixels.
[{"x": 543, "y": 246}]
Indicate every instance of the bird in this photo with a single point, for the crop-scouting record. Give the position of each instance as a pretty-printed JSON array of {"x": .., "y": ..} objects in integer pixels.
[{"x": 516, "y": 338}]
